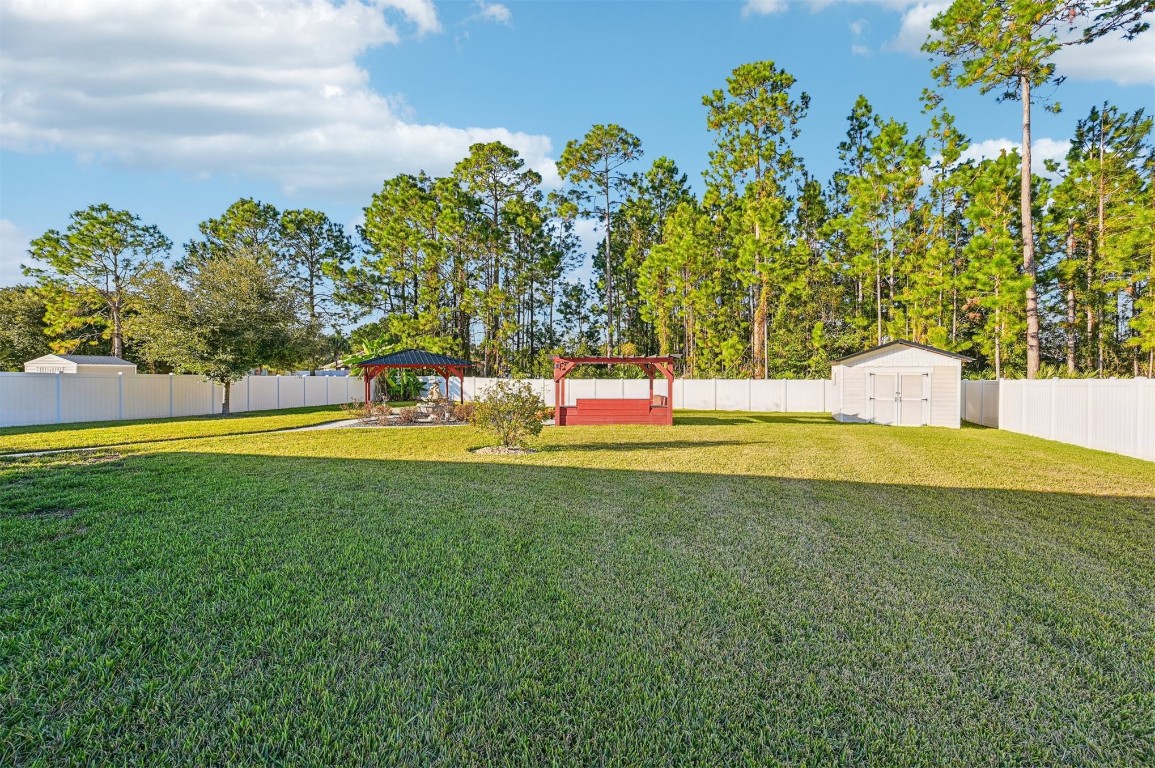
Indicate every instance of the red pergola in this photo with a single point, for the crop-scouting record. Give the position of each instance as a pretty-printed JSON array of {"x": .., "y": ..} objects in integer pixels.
[
  {"x": 445, "y": 366},
  {"x": 657, "y": 409}
]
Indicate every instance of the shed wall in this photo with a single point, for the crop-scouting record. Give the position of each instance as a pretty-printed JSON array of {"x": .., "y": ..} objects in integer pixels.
[
  {"x": 853, "y": 405},
  {"x": 945, "y": 396}
]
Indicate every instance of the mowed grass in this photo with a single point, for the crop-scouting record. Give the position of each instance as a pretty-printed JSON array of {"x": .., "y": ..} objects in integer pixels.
[
  {"x": 86, "y": 435},
  {"x": 738, "y": 590}
]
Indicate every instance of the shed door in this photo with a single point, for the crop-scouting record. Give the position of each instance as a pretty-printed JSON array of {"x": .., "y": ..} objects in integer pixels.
[
  {"x": 900, "y": 398},
  {"x": 883, "y": 397},
  {"x": 914, "y": 399}
]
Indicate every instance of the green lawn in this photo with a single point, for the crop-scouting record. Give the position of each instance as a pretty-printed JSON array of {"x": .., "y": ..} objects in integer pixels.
[
  {"x": 737, "y": 590},
  {"x": 57, "y": 436}
]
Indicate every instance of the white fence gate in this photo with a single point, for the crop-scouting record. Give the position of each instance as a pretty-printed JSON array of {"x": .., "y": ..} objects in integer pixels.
[{"x": 1115, "y": 415}]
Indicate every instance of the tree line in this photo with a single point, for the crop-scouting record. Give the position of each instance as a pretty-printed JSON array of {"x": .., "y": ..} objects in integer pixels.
[{"x": 768, "y": 272}]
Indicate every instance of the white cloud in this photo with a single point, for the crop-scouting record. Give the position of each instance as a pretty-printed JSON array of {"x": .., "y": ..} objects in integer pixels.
[
  {"x": 915, "y": 27},
  {"x": 1042, "y": 149},
  {"x": 232, "y": 87},
  {"x": 1126, "y": 62},
  {"x": 494, "y": 12},
  {"x": 763, "y": 7},
  {"x": 13, "y": 252},
  {"x": 857, "y": 29},
  {"x": 422, "y": 13},
  {"x": 894, "y": 5}
]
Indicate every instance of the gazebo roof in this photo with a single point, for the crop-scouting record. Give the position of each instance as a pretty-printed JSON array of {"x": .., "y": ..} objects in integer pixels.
[{"x": 415, "y": 358}]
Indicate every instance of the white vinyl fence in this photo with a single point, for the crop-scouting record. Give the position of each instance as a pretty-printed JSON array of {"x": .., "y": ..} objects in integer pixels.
[
  {"x": 1115, "y": 415},
  {"x": 47, "y": 398},
  {"x": 784, "y": 395},
  {"x": 41, "y": 398}
]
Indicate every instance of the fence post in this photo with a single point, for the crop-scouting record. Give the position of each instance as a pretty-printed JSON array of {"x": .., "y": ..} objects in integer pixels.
[
  {"x": 59, "y": 414},
  {"x": 304, "y": 391},
  {"x": 1054, "y": 408},
  {"x": 171, "y": 399},
  {"x": 1142, "y": 420},
  {"x": 327, "y": 389},
  {"x": 278, "y": 378},
  {"x": 1090, "y": 413},
  {"x": 120, "y": 395},
  {"x": 785, "y": 396}
]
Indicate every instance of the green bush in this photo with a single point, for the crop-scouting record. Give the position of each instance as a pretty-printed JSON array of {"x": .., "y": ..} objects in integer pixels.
[{"x": 511, "y": 410}]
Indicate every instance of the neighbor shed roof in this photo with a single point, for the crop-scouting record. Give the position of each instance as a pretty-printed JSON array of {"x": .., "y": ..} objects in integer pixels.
[
  {"x": 901, "y": 343},
  {"x": 95, "y": 360}
]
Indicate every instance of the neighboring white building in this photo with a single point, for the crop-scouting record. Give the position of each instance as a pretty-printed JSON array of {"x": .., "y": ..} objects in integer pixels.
[
  {"x": 900, "y": 383},
  {"x": 89, "y": 364}
]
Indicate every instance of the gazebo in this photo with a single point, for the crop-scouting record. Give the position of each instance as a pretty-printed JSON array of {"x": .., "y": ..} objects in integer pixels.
[
  {"x": 656, "y": 409},
  {"x": 445, "y": 366}
]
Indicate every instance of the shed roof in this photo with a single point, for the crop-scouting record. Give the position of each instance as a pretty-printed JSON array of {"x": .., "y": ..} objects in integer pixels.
[
  {"x": 96, "y": 360},
  {"x": 902, "y": 343},
  {"x": 87, "y": 359},
  {"x": 414, "y": 358}
]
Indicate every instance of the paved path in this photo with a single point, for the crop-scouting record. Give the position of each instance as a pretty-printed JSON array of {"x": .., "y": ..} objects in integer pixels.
[{"x": 326, "y": 425}]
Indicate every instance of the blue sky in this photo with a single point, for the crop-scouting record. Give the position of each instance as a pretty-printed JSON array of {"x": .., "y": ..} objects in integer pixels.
[{"x": 174, "y": 110}]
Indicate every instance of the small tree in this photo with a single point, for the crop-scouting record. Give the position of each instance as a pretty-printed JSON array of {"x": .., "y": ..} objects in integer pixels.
[
  {"x": 217, "y": 316},
  {"x": 511, "y": 410}
]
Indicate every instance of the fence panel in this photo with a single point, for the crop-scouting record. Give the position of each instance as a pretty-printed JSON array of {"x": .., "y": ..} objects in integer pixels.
[
  {"x": 1069, "y": 411},
  {"x": 980, "y": 402},
  {"x": 1114, "y": 415},
  {"x": 607, "y": 388},
  {"x": 89, "y": 398},
  {"x": 805, "y": 396},
  {"x": 146, "y": 395},
  {"x": 768, "y": 395},
  {"x": 697, "y": 395},
  {"x": 27, "y": 399},
  {"x": 316, "y": 390},
  {"x": 732, "y": 395}
]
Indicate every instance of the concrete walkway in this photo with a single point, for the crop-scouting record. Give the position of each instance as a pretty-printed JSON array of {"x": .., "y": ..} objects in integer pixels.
[{"x": 326, "y": 425}]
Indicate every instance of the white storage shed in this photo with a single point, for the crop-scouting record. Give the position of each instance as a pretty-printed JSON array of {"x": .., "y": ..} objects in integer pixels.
[
  {"x": 900, "y": 383},
  {"x": 106, "y": 365}
]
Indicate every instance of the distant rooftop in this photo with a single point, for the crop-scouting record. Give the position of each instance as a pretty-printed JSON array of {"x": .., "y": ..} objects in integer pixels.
[{"x": 94, "y": 359}]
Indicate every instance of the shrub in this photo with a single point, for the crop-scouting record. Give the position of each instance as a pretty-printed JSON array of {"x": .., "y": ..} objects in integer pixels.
[
  {"x": 379, "y": 412},
  {"x": 407, "y": 415},
  {"x": 463, "y": 412},
  {"x": 511, "y": 410}
]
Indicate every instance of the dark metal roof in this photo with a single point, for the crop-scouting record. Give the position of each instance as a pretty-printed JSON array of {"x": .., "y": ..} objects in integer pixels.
[
  {"x": 903, "y": 343},
  {"x": 414, "y": 358},
  {"x": 95, "y": 359}
]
